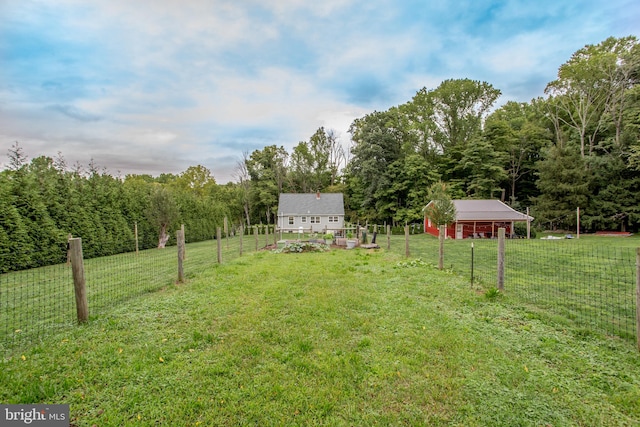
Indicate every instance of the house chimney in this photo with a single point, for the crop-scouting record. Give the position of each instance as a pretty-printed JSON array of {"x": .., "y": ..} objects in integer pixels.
[{"x": 318, "y": 195}]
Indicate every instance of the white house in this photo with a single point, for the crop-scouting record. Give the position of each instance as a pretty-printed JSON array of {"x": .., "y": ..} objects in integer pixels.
[{"x": 316, "y": 211}]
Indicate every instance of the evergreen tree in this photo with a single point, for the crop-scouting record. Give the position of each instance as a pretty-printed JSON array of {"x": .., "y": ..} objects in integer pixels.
[
  {"x": 564, "y": 183},
  {"x": 16, "y": 250}
]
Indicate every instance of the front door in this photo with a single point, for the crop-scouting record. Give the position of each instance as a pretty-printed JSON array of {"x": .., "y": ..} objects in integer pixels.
[{"x": 458, "y": 231}]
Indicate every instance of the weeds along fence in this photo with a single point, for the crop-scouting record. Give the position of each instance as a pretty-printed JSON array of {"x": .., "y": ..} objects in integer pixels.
[
  {"x": 589, "y": 284},
  {"x": 39, "y": 301}
]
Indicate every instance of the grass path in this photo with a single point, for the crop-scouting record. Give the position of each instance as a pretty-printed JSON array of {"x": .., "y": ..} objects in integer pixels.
[{"x": 343, "y": 338}]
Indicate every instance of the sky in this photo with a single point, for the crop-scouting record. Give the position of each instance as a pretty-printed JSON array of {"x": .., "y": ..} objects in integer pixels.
[{"x": 156, "y": 86}]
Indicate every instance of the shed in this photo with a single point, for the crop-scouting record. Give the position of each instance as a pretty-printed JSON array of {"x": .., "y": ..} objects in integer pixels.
[
  {"x": 315, "y": 211},
  {"x": 479, "y": 219}
]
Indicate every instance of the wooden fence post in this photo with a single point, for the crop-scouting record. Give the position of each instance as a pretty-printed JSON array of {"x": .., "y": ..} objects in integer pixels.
[
  {"x": 406, "y": 241},
  {"x": 388, "y": 237},
  {"x": 255, "y": 235},
  {"x": 180, "y": 241},
  {"x": 219, "y": 243},
  {"x": 266, "y": 235},
  {"x": 184, "y": 246},
  {"x": 79, "y": 283},
  {"x": 442, "y": 230},
  {"x": 578, "y": 223},
  {"x": 241, "y": 237},
  {"x": 226, "y": 231},
  {"x": 501, "y": 259},
  {"x": 638, "y": 297},
  {"x": 135, "y": 232}
]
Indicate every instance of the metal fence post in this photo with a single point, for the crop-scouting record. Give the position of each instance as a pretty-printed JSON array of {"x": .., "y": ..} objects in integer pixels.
[
  {"x": 501, "y": 232},
  {"x": 471, "y": 264},
  {"x": 442, "y": 231}
]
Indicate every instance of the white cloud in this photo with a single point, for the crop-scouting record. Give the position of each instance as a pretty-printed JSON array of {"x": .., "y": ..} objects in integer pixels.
[{"x": 169, "y": 83}]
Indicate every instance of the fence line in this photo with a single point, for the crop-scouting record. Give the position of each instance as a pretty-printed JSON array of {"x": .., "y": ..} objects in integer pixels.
[
  {"x": 39, "y": 301},
  {"x": 575, "y": 282},
  {"x": 590, "y": 286}
]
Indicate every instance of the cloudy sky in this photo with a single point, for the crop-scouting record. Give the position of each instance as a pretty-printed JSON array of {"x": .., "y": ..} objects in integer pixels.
[{"x": 153, "y": 86}]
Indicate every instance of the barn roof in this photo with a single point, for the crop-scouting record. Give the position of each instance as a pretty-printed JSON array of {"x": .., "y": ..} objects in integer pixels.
[
  {"x": 486, "y": 210},
  {"x": 311, "y": 204}
]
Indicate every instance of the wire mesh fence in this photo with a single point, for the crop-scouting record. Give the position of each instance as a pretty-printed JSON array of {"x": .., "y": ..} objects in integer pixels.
[
  {"x": 34, "y": 302},
  {"x": 585, "y": 283},
  {"x": 588, "y": 283},
  {"x": 39, "y": 301}
]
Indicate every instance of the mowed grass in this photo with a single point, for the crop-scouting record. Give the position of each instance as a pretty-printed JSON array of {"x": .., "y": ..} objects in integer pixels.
[
  {"x": 37, "y": 301},
  {"x": 341, "y": 338},
  {"x": 588, "y": 283}
]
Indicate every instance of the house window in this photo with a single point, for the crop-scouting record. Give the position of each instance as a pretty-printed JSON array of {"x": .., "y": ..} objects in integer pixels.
[
  {"x": 303, "y": 219},
  {"x": 290, "y": 220},
  {"x": 333, "y": 219},
  {"x": 315, "y": 220}
]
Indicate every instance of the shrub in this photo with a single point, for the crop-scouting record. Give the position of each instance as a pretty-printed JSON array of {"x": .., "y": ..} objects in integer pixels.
[{"x": 300, "y": 247}]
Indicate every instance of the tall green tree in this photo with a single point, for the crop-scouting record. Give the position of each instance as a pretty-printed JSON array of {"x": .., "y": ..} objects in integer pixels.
[
  {"x": 481, "y": 167},
  {"x": 377, "y": 148},
  {"x": 244, "y": 186},
  {"x": 163, "y": 212},
  {"x": 455, "y": 111},
  {"x": 137, "y": 191},
  {"x": 591, "y": 83},
  {"x": 564, "y": 184},
  {"x": 517, "y": 132},
  {"x": 440, "y": 209},
  {"x": 614, "y": 195},
  {"x": 268, "y": 171},
  {"x": 16, "y": 248},
  {"x": 316, "y": 164}
]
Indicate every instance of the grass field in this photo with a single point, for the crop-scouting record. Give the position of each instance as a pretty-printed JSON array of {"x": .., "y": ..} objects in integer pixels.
[
  {"x": 587, "y": 283},
  {"x": 34, "y": 302},
  {"x": 336, "y": 338}
]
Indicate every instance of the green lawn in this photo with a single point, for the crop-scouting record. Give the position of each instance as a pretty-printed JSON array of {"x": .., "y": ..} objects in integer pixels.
[
  {"x": 586, "y": 283},
  {"x": 338, "y": 338}
]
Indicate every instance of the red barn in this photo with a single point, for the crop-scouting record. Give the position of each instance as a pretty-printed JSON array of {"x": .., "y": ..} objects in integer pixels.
[{"x": 479, "y": 219}]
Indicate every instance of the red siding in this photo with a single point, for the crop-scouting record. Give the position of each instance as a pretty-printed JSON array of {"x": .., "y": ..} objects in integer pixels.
[
  {"x": 482, "y": 229},
  {"x": 433, "y": 229}
]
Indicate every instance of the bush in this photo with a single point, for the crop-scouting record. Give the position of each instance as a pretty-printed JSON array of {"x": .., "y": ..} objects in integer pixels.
[
  {"x": 300, "y": 247},
  {"x": 520, "y": 229}
]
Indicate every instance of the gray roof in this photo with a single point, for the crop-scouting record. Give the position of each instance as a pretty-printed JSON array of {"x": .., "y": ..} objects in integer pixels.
[
  {"x": 486, "y": 210},
  {"x": 311, "y": 204}
]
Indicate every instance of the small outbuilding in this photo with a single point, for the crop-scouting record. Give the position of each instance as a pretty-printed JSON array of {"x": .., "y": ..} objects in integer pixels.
[
  {"x": 315, "y": 211},
  {"x": 479, "y": 219}
]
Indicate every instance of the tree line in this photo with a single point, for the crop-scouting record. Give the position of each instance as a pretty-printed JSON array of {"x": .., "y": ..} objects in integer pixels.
[
  {"x": 577, "y": 145},
  {"x": 43, "y": 202}
]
